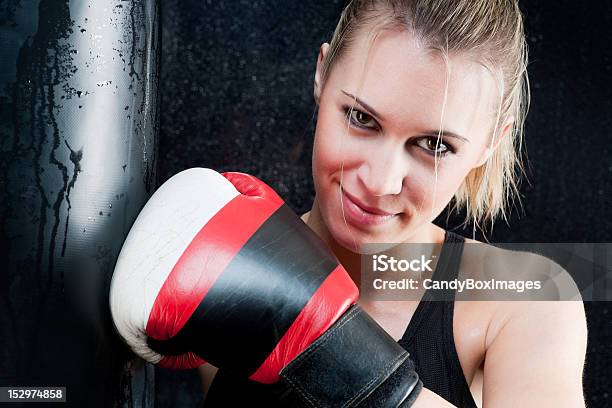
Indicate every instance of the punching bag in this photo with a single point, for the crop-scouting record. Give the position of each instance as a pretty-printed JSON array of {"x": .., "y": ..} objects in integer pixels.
[{"x": 79, "y": 125}]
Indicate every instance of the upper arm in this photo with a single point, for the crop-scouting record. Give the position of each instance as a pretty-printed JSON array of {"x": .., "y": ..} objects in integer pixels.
[{"x": 537, "y": 357}]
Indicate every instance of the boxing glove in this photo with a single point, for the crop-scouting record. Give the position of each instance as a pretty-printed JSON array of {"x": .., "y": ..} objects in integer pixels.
[{"x": 213, "y": 259}]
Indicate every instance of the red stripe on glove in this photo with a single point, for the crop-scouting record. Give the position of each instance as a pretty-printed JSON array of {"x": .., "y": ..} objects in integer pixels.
[
  {"x": 335, "y": 295},
  {"x": 196, "y": 271}
]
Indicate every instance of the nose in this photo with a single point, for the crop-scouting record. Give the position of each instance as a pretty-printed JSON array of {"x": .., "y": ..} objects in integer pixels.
[{"x": 383, "y": 170}]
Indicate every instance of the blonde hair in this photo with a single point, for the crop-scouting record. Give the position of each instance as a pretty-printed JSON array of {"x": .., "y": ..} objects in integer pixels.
[{"x": 490, "y": 30}]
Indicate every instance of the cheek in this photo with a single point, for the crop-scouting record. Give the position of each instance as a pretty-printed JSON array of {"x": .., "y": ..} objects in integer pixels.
[
  {"x": 321, "y": 163},
  {"x": 322, "y": 155},
  {"x": 333, "y": 147},
  {"x": 324, "y": 159},
  {"x": 424, "y": 191}
]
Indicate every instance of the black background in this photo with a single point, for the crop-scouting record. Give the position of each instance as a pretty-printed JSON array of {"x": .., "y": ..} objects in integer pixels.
[{"x": 236, "y": 94}]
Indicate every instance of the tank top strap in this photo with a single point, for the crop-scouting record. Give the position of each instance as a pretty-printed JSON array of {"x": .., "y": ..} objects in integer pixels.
[
  {"x": 429, "y": 336},
  {"x": 447, "y": 268},
  {"x": 450, "y": 258}
]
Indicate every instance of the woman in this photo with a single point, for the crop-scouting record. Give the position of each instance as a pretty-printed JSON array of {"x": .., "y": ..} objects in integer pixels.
[{"x": 420, "y": 105}]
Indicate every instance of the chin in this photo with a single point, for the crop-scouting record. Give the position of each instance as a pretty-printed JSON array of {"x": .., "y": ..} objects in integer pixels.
[{"x": 358, "y": 242}]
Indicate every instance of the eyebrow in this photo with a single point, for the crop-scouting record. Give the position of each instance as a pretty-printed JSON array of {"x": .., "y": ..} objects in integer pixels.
[
  {"x": 372, "y": 111},
  {"x": 446, "y": 134},
  {"x": 362, "y": 103}
]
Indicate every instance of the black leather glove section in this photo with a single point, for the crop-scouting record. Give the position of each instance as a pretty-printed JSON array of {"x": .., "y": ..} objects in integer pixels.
[
  {"x": 353, "y": 364},
  {"x": 400, "y": 390}
]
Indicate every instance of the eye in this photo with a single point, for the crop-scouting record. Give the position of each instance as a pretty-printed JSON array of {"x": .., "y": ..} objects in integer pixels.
[
  {"x": 434, "y": 146},
  {"x": 360, "y": 119}
]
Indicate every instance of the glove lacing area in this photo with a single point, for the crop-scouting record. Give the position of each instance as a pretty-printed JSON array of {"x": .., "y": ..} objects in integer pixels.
[{"x": 350, "y": 365}]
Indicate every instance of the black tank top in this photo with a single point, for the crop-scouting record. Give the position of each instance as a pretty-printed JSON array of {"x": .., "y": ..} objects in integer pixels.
[{"x": 428, "y": 338}]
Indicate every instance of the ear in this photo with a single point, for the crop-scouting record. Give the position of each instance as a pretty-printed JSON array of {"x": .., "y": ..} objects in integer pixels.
[
  {"x": 488, "y": 151},
  {"x": 317, "y": 79}
]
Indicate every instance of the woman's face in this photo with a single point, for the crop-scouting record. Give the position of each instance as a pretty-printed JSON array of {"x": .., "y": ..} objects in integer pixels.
[{"x": 375, "y": 174}]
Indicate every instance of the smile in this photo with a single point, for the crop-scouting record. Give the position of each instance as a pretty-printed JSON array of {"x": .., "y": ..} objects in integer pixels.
[{"x": 355, "y": 212}]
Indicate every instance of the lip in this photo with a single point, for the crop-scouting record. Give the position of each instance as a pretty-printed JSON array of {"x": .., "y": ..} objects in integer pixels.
[{"x": 361, "y": 214}]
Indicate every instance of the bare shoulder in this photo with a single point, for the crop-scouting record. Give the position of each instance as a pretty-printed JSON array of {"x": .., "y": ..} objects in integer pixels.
[
  {"x": 534, "y": 350},
  {"x": 546, "y": 278},
  {"x": 539, "y": 321},
  {"x": 556, "y": 302},
  {"x": 537, "y": 356}
]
